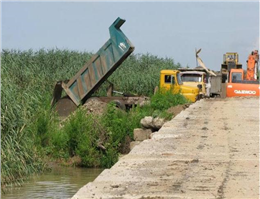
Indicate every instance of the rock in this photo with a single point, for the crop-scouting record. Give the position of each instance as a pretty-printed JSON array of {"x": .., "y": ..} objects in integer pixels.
[
  {"x": 133, "y": 144},
  {"x": 142, "y": 134},
  {"x": 158, "y": 123},
  {"x": 205, "y": 128},
  {"x": 147, "y": 122},
  {"x": 151, "y": 136}
]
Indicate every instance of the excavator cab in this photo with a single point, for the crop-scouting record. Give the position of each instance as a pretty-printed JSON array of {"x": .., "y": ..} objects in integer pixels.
[{"x": 230, "y": 58}]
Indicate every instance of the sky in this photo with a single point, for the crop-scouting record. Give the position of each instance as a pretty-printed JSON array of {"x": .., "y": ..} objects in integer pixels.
[{"x": 164, "y": 29}]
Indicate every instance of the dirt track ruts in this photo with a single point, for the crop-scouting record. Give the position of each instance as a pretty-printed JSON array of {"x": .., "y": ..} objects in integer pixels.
[{"x": 209, "y": 150}]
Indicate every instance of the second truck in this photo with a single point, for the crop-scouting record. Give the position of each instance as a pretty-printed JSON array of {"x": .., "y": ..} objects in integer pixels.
[{"x": 170, "y": 80}]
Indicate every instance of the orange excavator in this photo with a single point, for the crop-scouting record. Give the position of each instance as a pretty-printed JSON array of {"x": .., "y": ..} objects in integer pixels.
[
  {"x": 244, "y": 85},
  {"x": 252, "y": 66}
]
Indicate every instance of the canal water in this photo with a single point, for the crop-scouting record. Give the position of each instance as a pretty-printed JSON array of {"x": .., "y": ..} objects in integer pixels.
[{"x": 59, "y": 183}]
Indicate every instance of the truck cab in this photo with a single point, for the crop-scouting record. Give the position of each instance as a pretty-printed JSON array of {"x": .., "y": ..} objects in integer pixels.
[
  {"x": 193, "y": 79},
  {"x": 171, "y": 80}
]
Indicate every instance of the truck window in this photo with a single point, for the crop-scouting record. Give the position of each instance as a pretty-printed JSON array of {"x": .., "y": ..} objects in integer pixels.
[
  {"x": 169, "y": 79},
  {"x": 236, "y": 77},
  {"x": 191, "y": 78},
  {"x": 205, "y": 80}
]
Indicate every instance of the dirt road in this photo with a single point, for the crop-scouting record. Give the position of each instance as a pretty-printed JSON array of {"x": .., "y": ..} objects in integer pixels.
[{"x": 210, "y": 150}]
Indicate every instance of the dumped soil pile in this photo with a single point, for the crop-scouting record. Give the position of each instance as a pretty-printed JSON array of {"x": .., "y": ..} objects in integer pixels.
[
  {"x": 175, "y": 110},
  {"x": 95, "y": 106}
]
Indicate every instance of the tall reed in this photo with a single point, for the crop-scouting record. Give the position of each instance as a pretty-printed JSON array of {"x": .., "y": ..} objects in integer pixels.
[{"x": 28, "y": 78}]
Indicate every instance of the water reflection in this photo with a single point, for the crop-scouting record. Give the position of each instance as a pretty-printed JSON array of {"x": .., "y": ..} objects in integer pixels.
[{"x": 60, "y": 183}]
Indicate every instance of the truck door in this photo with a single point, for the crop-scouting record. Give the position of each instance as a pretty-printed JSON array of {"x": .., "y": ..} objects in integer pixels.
[{"x": 170, "y": 83}]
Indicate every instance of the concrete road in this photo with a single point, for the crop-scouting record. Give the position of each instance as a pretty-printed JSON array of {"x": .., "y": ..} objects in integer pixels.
[{"x": 210, "y": 150}]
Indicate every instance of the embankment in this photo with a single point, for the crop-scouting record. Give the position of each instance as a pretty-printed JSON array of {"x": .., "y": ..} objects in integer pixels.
[{"x": 210, "y": 150}]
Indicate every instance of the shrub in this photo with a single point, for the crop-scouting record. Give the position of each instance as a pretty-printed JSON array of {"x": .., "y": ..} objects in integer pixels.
[{"x": 166, "y": 99}]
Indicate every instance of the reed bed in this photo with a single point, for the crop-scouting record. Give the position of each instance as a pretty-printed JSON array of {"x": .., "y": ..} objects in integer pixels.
[{"x": 28, "y": 79}]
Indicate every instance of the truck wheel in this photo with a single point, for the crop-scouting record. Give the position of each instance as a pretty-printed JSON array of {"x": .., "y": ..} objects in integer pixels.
[{"x": 120, "y": 104}]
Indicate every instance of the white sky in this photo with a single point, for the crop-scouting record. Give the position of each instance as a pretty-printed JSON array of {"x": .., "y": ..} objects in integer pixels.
[{"x": 165, "y": 29}]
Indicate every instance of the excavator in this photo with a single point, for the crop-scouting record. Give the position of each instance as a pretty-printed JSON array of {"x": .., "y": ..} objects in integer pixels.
[{"x": 239, "y": 84}]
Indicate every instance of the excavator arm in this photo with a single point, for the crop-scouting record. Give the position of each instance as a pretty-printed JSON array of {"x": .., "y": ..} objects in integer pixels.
[{"x": 252, "y": 66}]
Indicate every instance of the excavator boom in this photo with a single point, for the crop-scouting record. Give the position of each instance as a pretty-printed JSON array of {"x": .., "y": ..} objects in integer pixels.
[{"x": 252, "y": 66}]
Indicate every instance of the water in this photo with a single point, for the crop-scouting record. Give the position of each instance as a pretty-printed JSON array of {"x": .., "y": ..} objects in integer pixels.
[{"x": 60, "y": 183}]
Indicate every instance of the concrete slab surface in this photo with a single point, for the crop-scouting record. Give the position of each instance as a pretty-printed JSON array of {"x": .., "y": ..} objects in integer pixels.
[{"x": 209, "y": 150}]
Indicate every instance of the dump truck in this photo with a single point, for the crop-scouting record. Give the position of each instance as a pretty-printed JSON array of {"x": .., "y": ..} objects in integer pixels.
[
  {"x": 193, "y": 78},
  {"x": 171, "y": 80},
  {"x": 200, "y": 76},
  {"x": 94, "y": 73}
]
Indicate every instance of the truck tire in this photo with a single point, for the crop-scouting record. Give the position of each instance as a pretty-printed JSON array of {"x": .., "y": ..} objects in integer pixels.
[{"x": 119, "y": 104}]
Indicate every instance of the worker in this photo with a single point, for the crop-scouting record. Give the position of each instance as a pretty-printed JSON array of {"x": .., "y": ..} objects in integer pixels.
[{"x": 208, "y": 87}]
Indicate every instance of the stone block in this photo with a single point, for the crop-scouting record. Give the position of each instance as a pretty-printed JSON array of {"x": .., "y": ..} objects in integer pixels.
[
  {"x": 142, "y": 134},
  {"x": 147, "y": 122}
]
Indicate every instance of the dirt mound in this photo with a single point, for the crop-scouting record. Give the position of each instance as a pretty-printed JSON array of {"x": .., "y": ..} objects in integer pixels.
[
  {"x": 175, "y": 110},
  {"x": 95, "y": 106}
]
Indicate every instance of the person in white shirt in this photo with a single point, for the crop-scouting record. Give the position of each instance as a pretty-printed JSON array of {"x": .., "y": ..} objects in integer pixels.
[{"x": 208, "y": 87}]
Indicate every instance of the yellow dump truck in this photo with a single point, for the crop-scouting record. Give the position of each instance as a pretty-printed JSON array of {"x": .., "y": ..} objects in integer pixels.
[
  {"x": 194, "y": 78},
  {"x": 171, "y": 80}
]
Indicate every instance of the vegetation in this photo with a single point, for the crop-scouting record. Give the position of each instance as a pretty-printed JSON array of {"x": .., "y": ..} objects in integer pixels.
[
  {"x": 97, "y": 141},
  {"x": 29, "y": 129}
]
